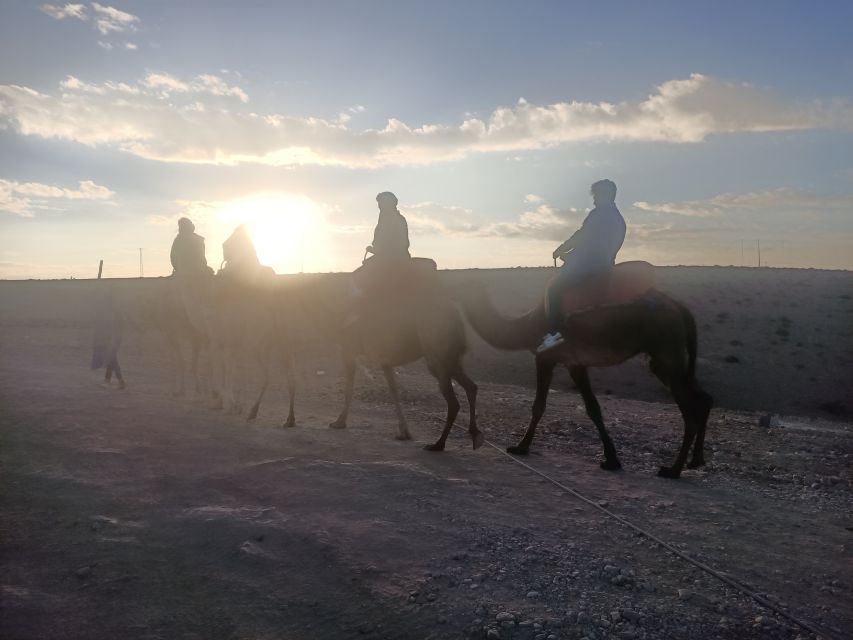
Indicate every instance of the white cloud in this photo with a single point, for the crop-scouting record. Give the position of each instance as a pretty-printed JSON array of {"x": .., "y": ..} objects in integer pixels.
[
  {"x": 152, "y": 125},
  {"x": 131, "y": 46},
  {"x": 25, "y": 198},
  {"x": 204, "y": 83},
  {"x": 105, "y": 45},
  {"x": 77, "y": 11},
  {"x": 543, "y": 222},
  {"x": 776, "y": 200},
  {"x": 533, "y": 198},
  {"x": 109, "y": 19}
]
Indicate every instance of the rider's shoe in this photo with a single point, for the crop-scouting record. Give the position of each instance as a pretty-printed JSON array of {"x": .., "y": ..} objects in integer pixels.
[{"x": 550, "y": 341}]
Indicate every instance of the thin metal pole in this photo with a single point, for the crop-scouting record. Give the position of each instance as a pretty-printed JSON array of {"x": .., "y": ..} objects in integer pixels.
[
  {"x": 100, "y": 268},
  {"x": 758, "y": 241},
  {"x": 141, "y": 272}
]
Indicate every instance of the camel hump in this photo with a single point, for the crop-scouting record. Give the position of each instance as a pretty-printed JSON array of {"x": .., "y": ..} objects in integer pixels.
[
  {"x": 385, "y": 279},
  {"x": 623, "y": 283}
]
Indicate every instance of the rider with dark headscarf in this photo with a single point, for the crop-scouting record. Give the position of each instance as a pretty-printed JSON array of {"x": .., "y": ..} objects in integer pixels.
[
  {"x": 187, "y": 253},
  {"x": 391, "y": 236}
]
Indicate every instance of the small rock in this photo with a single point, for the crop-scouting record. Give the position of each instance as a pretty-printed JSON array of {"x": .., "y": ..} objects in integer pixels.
[
  {"x": 583, "y": 618},
  {"x": 685, "y": 594},
  {"x": 630, "y": 615},
  {"x": 504, "y": 615},
  {"x": 84, "y": 572},
  {"x": 532, "y": 595},
  {"x": 493, "y": 634}
]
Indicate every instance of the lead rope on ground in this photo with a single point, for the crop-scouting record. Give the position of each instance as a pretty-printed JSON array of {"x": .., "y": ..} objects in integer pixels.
[{"x": 804, "y": 624}]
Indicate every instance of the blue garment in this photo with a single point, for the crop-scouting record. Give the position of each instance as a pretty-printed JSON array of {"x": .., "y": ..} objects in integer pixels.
[
  {"x": 594, "y": 249},
  {"x": 597, "y": 242}
]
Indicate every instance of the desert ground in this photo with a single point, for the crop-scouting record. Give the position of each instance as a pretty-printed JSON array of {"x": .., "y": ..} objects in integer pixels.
[{"x": 137, "y": 514}]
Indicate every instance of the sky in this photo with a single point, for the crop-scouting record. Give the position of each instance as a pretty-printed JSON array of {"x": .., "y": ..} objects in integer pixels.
[{"x": 724, "y": 125}]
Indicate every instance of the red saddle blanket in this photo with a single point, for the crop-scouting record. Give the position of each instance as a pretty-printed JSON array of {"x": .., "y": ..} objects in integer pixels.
[
  {"x": 378, "y": 277},
  {"x": 625, "y": 282}
]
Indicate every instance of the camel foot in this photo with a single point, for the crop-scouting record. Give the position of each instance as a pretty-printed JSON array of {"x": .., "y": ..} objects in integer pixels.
[
  {"x": 611, "y": 465},
  {"x": 290, "y": 423},
  {"x": 669, "y": 472},
  {"x": 437, "y": 446},
  {"x": 403, "y": 436},
  {"x": 696, "y": 462},
  {"x": 121, "y": 385},
  {"x": 338, "y": 424},
  {"x": 518, "y": 450},
  {"x": 253, "y": 413},
  {"x": 477, "y": 439}
]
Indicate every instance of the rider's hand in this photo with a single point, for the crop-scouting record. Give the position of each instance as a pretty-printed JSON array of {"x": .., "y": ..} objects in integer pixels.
[
  {"x": 369, "y": 248},
  {"x": 557, "y": 253}
]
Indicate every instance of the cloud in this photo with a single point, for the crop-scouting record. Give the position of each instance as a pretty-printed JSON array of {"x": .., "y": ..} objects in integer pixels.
[
  {"x": 543, "y": 222},
  {"x": 533, "y": 198},
  {"x": 77, "y": 11},
  {"x": 776, "y": 200},
  {"x": 151, "y": 124},
  {"x": 111, "y": 20},
  {"x": 432, "y": 217},
  {"x": 204, "y": 83},
  {"x": 25, "y": 198}
]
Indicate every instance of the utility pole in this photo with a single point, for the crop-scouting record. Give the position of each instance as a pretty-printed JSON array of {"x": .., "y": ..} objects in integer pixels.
[
  {"x": 141, "y": 272},
  {"x": 758, "y": 243},
  {"x": 100, "y": 269},
  {"x": 742, "y": 260}
]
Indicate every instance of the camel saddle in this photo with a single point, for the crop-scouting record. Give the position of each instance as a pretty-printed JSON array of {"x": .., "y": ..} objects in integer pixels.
[
  {"x": 623, "y": 283},
  {"x": 381, "y": 278}
]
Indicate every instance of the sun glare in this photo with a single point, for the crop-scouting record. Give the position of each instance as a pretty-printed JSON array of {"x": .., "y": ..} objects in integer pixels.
[{"x": 288, "y": 230}]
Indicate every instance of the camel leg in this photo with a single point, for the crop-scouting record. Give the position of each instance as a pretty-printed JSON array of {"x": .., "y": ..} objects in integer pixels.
[
  {"x": 446, "y": 387},
  {"x": 195, "y": 348},
  {"x": 701, "y": 410},
  {"x": 402, "y": 427},
  {"x": 580, "y": 376},
  {"x": 682, "y": 391},
  {"x": 217, "y": 376},
  {"x": 349, "y": 375},
  {"x": 291, "y": 389},
  {"x": 544, "y": 374},
  {"x": 174, "y": 347},
  {"x": 477, "y": 437},
  {"x": 262, "y": 356}
]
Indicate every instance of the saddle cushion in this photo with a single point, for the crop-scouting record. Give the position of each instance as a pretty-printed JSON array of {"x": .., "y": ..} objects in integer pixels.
[
  {"x": 625, "y": 282},
  {"x": 386, "y": 277}
]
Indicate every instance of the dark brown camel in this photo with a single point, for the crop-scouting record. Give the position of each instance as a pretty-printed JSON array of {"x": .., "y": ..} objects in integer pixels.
[
  {"x": 397, "y": 329},
  {"x": 653, "y": 324}
]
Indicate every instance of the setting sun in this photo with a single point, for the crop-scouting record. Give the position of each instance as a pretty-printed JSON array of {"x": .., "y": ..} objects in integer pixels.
[{"x": 288, "y": 230}]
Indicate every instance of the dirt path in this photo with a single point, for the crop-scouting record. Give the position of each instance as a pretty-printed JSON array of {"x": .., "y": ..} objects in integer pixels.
[{"x": 135, "y": 515}]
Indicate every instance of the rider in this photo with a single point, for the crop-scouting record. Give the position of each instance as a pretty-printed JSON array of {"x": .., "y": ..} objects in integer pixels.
[
  {"x": 239, "y": 255},
  {"x": 592, "y": 249},
  {"x": 390, "y": 249},
  {"x": 391, "y": 236},
  {"x": 187, "y": 253}
]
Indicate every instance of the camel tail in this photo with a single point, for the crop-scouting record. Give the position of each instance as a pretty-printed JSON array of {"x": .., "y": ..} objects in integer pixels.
[{"x": 690, "y": 328}]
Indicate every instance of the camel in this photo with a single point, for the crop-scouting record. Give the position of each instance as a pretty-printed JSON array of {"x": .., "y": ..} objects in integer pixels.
[
  {"x": 394, "y": 330},
  {"x": 605, "y": 336},
  {"x": 240, "y": 316}
]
